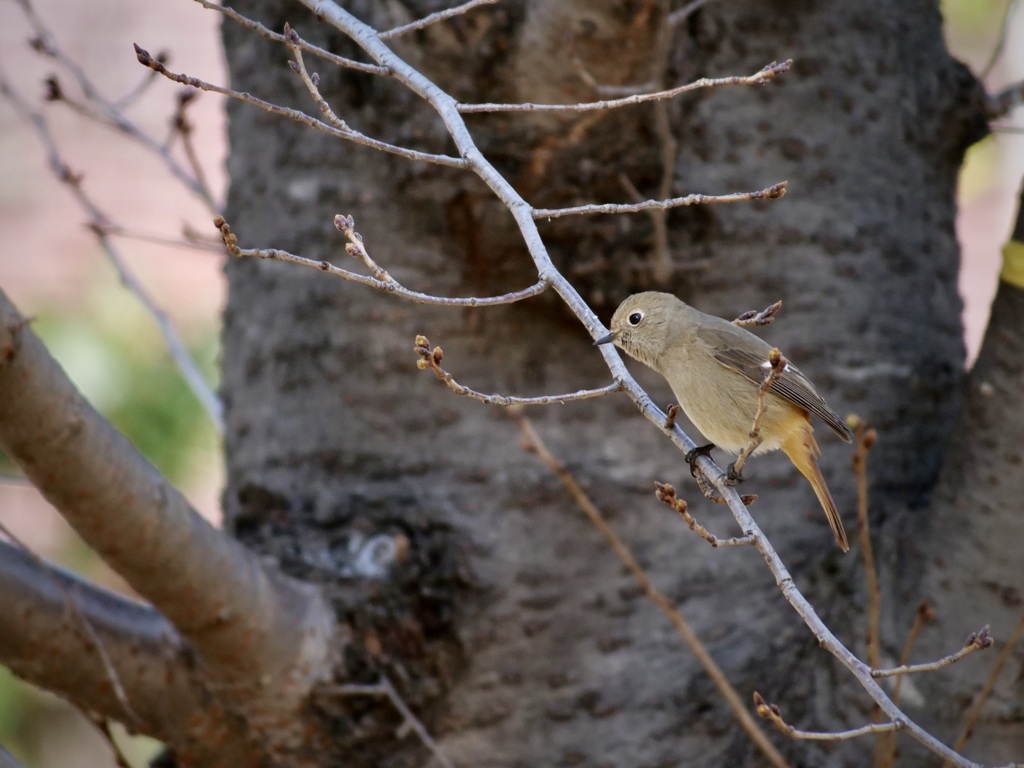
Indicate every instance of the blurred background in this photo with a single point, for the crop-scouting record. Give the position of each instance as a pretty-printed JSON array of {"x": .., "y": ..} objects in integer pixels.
[{"x": 55, "y": 271}]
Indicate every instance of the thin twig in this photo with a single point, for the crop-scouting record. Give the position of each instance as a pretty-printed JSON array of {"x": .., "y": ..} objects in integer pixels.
[
  {"x": 100, "y": 225},
  {"x": 433, "y": 18},
  {"x": 299, "y": 66},
  {"x": 667, "y": 494},
  {"x": 431, "y": 359},
  {"x": 112, "y": 114},
  {"x": 771, "y": 712},
  {"x": 865, "y": 440},
  {"x": 977, "y": 641},
  {"x": 885, "y": 746},
  {"x": 183, "y": 128},
  {"x": 188, "y": 241},
  {"x": 986, "y": 690},
  {"x": 535, "y": 444},
  {"x": 670, "y": 417},
  {"x": 774, "y": 192},
  {"x": 386, "y": 689},
  {"x": 924, "y": 614},
  {"x": 997, "y": 49},
  {"x": 761, "y": 77},
  {"x": 386, "y": 283},
  {"x": 776, "y": 365},
  {"x": 323, "y": 53},
  {"x": 148, "y": 78},
  {"x": 146, "y": 59}
]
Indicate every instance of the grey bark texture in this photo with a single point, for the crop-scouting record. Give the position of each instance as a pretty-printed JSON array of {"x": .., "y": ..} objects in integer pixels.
[{"x": 504, "y": 620}]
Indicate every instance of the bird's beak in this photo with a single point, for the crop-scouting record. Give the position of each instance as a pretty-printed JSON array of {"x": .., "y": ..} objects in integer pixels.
[{"x": 607, "y": 339}]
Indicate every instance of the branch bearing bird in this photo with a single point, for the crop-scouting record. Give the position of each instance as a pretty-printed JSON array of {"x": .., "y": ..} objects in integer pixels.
[{"x": 714, "y": 368}]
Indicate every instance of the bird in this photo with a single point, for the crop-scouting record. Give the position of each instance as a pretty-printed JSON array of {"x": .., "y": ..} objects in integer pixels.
[{"x": 715, "y": 368}]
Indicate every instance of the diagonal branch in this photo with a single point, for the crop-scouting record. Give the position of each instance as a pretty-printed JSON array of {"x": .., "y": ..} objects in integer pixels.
[
  {"x": 246, "y": 621},
  {"x": 380, "y": 281},
  {"x": 434, "y": 18},
  {"x": 146, "y": 59},
  {"x": 47, "y": 646}
]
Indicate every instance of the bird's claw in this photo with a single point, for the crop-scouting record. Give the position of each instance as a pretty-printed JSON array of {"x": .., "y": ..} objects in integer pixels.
[
  {"x": 692, "y": 456},
  {"x": 732, "y": 477}
]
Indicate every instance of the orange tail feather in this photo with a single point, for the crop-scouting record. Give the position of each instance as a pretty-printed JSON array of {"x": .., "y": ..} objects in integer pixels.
[{"x": 802, "y": 450}]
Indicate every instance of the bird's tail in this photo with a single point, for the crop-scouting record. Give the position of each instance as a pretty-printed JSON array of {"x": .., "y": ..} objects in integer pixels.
[{"x": 802, "y": 450}]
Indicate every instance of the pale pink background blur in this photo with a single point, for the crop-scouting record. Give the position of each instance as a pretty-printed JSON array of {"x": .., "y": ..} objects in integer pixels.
[{"x": 47, "y": 257}]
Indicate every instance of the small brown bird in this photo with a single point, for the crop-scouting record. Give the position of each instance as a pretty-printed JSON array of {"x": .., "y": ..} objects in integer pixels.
[{"x": 715, "y": 368}]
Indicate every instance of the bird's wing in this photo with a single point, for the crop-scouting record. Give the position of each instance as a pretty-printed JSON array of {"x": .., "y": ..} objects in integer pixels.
[{"x": 792, "y": 385}]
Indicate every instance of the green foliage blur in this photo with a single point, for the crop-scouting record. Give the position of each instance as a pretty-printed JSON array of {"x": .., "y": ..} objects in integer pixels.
[{"x": 113, "y": 352}]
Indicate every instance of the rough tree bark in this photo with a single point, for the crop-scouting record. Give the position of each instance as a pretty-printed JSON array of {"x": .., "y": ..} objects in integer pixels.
[{"x": 510, "y": 626}]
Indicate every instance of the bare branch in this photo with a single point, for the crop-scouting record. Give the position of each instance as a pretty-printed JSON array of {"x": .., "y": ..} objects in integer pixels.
[
  {"x": 866, "y": 438},
  {"x": 199, "y": 578},
  {"x": 101, "y": 226},
  {"x": 356, "y": 137},
  {"x": 997, "y": 49},
  {"x": 434, "y": 18},
  {"x": 183, "y": 127},
  {"x": 142, "y": 676},
  {"x": 776, "y": 365},
  {"x": 976, "y": 641},
  {"x": 766, "y": 74},
  {"x": 110, "y": 112},
  {"x": 535, "y": 444},
  {"x": 667, "y": 494},
  {"x": 384, "y": 282},
  {"x": 670, "y": 417},
  {"x": 922, "y": 615},
  {"x": 189, "y": 240},
  {"x": 885, "y": 747},
  {"x": 431, "y": 359},
  {"x": 386, "y": 689},
  {"x": 772, "y": 712},
  {"x": 323, "y": 53},
  {"x": 986, "y": 690},
  {"x": 774, "y": 192},
  {"x": 293, "y": 41}
]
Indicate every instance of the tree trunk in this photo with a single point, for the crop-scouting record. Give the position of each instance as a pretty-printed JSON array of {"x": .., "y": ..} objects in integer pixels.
[{"x": 466, "y": 573}]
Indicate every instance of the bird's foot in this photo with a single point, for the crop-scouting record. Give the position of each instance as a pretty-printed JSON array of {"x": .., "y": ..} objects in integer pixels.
[
  {"x": 732, "y": 477},
  {"x": 692, "y": 456}
]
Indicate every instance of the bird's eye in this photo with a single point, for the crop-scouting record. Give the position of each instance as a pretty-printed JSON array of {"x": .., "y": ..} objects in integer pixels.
[{"x": 635, "y": 318}]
